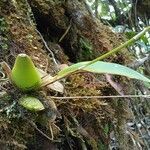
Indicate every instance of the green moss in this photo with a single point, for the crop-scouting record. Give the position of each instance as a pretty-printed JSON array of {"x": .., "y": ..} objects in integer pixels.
[
  {"x": 102, "y": 146},
  {"x": 3, "y": 25},
  {"x": 3, "y": 38},
  {"x": 87, "y": 49}
]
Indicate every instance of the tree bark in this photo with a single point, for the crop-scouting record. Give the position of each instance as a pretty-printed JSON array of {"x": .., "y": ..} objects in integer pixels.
[{"x": 71, "y": 32}]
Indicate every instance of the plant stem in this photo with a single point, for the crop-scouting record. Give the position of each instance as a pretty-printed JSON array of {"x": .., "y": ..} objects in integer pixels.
[{"x": 119, "y": 48}]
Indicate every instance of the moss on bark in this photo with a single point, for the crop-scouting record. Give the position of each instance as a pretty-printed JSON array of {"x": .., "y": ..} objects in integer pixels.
[{"x": 83, "y": 123}]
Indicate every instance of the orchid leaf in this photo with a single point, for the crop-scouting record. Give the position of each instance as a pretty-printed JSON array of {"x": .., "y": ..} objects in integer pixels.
[{"x": 103, "y": 68}]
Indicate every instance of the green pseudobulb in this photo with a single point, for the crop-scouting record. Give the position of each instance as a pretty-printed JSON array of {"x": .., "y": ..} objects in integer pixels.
[
  {"x": 24, "y": 74},
  {"x": 31, "y": 103}
]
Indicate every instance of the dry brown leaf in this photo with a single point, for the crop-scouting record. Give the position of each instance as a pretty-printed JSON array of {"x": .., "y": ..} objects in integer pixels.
[{"x": 57, "y": 86}]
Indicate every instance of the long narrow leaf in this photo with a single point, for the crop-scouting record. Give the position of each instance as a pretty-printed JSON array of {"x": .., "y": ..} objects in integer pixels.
[{"x": 104, "y": 67}]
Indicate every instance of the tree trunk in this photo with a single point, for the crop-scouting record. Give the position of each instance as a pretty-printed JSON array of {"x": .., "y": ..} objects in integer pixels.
[{"x": 72, "y": 34}]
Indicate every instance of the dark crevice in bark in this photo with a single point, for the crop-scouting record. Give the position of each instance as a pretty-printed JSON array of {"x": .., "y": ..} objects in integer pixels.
[
  {"x": 45, "y": 24},
  {"x": 52, "y": 33}
]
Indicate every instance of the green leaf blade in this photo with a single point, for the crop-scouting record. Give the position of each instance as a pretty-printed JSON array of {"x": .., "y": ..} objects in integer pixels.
[
  {"x": 71, "y": 69},
  {"x": 116, "y": 69},
  {"x": 105, "y": 68}
]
